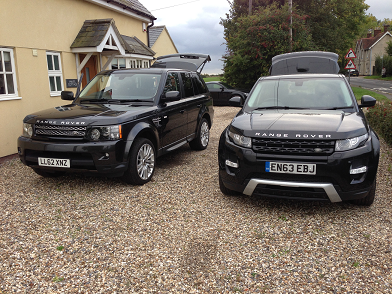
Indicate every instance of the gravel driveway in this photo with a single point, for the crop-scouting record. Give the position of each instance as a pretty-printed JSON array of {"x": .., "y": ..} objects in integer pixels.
[{"x": 179, "y": 234}]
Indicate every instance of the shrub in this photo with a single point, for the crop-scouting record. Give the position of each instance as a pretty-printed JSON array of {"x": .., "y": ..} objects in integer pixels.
[
  {"x": 386, "y": 62},
  {"x": 380, "y": 118}
]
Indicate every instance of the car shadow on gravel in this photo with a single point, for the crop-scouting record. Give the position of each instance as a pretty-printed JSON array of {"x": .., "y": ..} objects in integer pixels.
[
  {"x": 299, "y": 207},
  {"x": 179, "y": 157}
]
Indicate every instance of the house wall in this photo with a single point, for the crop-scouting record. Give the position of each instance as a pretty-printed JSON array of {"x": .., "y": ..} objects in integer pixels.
[
  {"x": 164, "y": 45},
  {"x": 366, "y": 59},
  {"x": 44, "y": 26},
  {"x": 379, "y": 50}
]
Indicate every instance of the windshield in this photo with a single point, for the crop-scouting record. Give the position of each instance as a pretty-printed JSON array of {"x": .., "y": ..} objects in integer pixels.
[
  {"x": 122, "y": 86},
  {"x": 304, "y": 93}
]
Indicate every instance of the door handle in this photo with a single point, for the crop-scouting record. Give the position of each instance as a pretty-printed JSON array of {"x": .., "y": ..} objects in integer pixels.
[{"x": 182, "y": 111}]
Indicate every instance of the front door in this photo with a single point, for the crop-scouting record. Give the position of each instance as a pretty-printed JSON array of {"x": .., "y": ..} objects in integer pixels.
[
  {"x": 89, "y": 70},
  {"x": 173, "y": 116}
]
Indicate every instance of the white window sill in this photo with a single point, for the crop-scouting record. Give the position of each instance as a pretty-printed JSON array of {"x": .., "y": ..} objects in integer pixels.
[
  {"x": 55, "y": 94},
  {"x": 6, "y": 98}
]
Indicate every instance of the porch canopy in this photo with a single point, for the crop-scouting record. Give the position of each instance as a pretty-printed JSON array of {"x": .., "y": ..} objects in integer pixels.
[{"x": 102, "y": 36}]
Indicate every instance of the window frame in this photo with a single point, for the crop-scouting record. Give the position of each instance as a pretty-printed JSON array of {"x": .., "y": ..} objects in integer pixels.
[
  {"x": 55, "y": 73},
  {"x": 15, "y": 95}
]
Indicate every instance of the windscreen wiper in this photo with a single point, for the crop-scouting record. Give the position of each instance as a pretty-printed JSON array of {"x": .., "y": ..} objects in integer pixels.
[
  {"x": 109, "y": 101},
  {"x": 336, "y": 108},
  {"x": 279, "y": 107}
]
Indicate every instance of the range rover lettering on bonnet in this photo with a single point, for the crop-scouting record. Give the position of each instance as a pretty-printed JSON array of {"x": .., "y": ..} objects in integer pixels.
[
  {"x": 54, "y": 122},
  {"x": 280, "y": 135}
]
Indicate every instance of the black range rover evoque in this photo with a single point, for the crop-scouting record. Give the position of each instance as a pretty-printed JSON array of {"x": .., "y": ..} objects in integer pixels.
[
  {"x": 122, "y": 121},
  {"x": 301, "y": 135}
]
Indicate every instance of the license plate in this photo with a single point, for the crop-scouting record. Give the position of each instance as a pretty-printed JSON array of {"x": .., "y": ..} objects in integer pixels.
[
  {"x": 54, "y": 162},
  {"x": 290, "y": 168}
]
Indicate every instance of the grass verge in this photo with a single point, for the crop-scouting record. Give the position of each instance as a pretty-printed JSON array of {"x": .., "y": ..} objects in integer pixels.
[{"x": 359, "y": 92}]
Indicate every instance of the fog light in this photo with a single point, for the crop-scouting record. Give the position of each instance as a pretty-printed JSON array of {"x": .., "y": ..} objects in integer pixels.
[
  {"x": 95, "y": 134},
  {"x": 360, "y": 170},
  {"x": 231, "y": 164}
]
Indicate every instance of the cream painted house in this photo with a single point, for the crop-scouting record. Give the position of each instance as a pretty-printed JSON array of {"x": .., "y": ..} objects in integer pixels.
[
  {"x": 45, "y": 47},
  {"x": 367, "y": 49},
  {"x": 161, "y": 42}
]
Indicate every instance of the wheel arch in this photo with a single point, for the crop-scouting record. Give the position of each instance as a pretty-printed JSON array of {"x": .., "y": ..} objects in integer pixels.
[{"x": 141, "y": 130}]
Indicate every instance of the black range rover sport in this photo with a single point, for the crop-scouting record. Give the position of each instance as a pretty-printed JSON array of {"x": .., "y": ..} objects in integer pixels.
[
  {"x": 122, "y": 121},
  {"x": 301, "y": 135}
]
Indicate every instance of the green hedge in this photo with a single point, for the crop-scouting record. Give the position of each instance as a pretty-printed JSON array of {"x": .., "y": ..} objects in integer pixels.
[
  {"x": 386, "y": 62},
  {"x": 380, "y": 118}
]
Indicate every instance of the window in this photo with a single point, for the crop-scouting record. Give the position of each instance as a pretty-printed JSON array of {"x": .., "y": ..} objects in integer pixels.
[
  {"x": 118, "y": 63},
  {"x": 187, "y": 84},
  {"x": 172, "y": 82},
  {"x": 198, "y": 86},
  {"x": 55, "y": 73},
  {"x": 8, "y": 89}
]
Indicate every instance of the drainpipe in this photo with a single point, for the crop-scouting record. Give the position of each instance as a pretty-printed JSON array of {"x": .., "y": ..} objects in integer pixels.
[
  {"x": 370, "y": 62},
  {"x": 148, "y": 36}
]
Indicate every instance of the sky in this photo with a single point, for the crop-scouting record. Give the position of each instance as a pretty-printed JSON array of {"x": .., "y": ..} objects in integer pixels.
[{"x": 194, "y": 25}]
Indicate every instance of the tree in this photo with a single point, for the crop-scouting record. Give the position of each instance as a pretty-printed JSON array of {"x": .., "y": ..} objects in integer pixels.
[
  {"x": 334, "y": 24},
  {"x": 388, "y": 49},
  {"x": 253, "y": 40}
]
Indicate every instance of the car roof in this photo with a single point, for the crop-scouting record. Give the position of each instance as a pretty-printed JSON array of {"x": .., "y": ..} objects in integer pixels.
[
  {"x": 142, "y": 70},
  {"x": 302, "y": 76},
  {"x": 305, "y": 62},
  {"x": 188, "y": 61}
]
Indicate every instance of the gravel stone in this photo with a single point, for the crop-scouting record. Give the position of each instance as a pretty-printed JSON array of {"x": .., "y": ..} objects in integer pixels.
[{"x": 180, "y": 234}]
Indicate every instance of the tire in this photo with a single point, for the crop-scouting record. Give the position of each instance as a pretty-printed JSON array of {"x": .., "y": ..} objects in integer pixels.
[
  {"x": 141, "y": 162},
  {"x": 369, "y": 199},
  {"x": 225, "y": 190},
  {"x": 202, "y": 136},
  {"x": 48, "y": 174}
]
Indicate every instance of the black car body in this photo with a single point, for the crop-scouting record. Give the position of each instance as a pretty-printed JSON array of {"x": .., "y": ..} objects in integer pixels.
[
  {"x": 352, "y": 72},
  {"x": 121, "y": 122},
  {"x": 221, "y": 93},
  {"x": 301, "y": 135}
]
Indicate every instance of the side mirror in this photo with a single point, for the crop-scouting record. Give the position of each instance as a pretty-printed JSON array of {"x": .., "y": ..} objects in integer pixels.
[
  {"x": 67, "y": 95},
  {"x": 235, "y": 101},
  {"x": 367, "y": 101},
  {"x": 222, "y": 89},
  {"x": 171, "y": 96}
]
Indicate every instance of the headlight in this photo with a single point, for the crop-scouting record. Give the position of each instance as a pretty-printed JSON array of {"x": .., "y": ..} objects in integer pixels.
[
  {"x": 27, "y": 130},
  {"x": 105, "y": 133},
  {"x": 352, "y": 143},
  {"x": 241, "y": 140}
]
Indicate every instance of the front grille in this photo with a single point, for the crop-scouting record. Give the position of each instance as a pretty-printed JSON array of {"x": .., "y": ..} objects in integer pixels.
[
  {"x": 290, "y": 193},
  {"x": 293, "y": 147},
  {"x": 65, "y": 131}
]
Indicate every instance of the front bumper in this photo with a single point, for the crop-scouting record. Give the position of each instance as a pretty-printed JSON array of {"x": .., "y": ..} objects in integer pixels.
[
  {"x": 106, "y": 157},
  {"x": 332, "y": 181}
]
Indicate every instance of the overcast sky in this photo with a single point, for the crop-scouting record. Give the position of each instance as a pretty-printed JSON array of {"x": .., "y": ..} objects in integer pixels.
[{"x": 194, "y": 24}]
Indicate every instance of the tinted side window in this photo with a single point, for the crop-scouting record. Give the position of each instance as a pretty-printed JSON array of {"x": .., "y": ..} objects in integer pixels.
[
  {"x": 199, "y": 85},
  {"x": 172, "y": 82},
  {"x": 187, "y": 83},
  {"x": 214, "y": 86}
]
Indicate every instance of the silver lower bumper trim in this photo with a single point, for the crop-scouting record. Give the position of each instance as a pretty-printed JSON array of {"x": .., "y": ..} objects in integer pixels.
[{"x": 328, "y": 188}]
